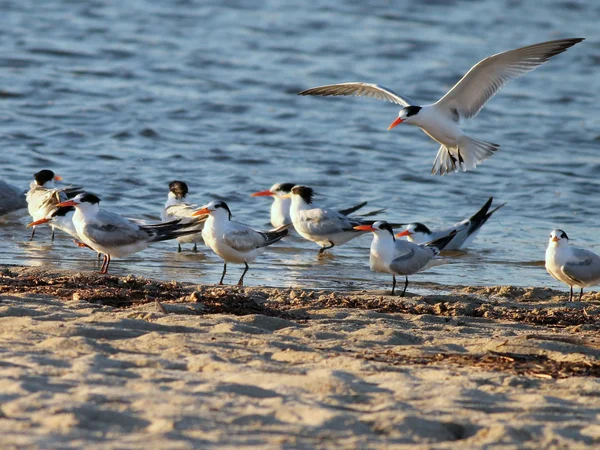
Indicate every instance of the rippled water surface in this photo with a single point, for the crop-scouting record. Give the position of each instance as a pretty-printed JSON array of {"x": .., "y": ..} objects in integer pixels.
[{"x": 123, "y": 97}]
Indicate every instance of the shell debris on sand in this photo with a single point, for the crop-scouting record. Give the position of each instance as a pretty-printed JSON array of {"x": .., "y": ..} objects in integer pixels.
[{"x": 85, "y": 356}]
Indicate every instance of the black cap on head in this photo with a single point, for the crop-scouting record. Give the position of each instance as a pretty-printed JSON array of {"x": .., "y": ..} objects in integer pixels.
[
  {"x": 383, "y": 225},
  {"x": 43, "y": 176},
  {"x": 221, "y": 204},
  {"x": 285, "y": 187},
  {"x": 412, "y": 110},
  {"x": 179, "y": 188},
  {"x": 420, "y": 228},
  {"x": 561, "y": 234},
  {"x": 62, "y": 211},
  {"x": 305, "y": 192},
  {"x": 89, "y": 198}
]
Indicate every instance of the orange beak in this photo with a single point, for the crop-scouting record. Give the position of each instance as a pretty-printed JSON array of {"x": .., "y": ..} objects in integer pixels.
[
  {"x": 67, "y": 203},
  {"x": 396, "y": 122},
  {"x": 555, "y": 239},
  {"x": 57, "y": 178},
  {"x": 37, "y": 222},
  {"x": 201, "y": 212},
  {"x": 364, "y": 228},
  {"x": 261, "y": 194},
  {"x": 404, "y": 233}
]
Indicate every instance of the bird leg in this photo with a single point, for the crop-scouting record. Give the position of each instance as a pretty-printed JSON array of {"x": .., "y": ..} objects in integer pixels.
[
  {"x": 52, "y": 237},
  {"x": 571, "y": 296},
  {"x": 178, "y": 248},
  {"x": 224, "y": 272},
  {"x": 32, "y": 234},
  {"x": 241, "y": 282},
  {"x": 393, "y": 284},
  {"x": 322, "y": 249},
  {"x": 405, "y": 286},
  {"x": 195, "y": 249},
  {"x": 105, "y": 264},
  {"x": 580, "y": 294}
]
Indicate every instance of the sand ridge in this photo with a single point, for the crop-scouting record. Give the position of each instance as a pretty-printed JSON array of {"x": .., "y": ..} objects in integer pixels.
[{"x": 184, "y": 366}]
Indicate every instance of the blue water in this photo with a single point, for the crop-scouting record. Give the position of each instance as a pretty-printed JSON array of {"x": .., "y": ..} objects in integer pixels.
[{"x": 123, "y": 97}]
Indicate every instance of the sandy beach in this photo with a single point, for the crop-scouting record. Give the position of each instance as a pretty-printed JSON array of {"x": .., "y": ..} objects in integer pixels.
[{"x": 125, "y": 362}]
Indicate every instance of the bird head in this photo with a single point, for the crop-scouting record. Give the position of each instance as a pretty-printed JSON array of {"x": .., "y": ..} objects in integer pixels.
[{"x": 406, "y": 114}]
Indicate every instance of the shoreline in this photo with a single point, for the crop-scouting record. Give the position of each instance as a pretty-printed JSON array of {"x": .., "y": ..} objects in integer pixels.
[{"x": 89, "y": 359}]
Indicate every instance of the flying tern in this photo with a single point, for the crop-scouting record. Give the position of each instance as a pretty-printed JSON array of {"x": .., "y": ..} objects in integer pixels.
[
  {"x": 440, "y": 120},
  {"x": 114, "y": 235},
  {"x": 400, "y": 257},
  {"x": 467, "y": 229},
  {"x": 234, "y": 242},
  {"x": 178, "y": 208},
  {"x": 576, "y": 267}
]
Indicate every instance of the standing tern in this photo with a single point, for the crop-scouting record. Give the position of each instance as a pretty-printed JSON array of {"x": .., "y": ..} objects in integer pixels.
[
  {"x": 178, "y": 208},
  {"x": 11, "y": 198},
  {"x": 114, "y": 235},
  {"x": 233, "y": 241},
  {"x": 576, "y": 267},
  {"x": 42, "y": 197},
  {"x": 400, "y": 257},
  {"x": 467, "y": 230},
  {"x": 325, "y": 227},
  {"x": 280, "y": 208},
  {"x": 440, "y": 120}
]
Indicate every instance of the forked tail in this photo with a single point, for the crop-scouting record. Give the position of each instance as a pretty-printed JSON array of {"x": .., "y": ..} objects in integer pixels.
[{"x": 469, "y": 153}]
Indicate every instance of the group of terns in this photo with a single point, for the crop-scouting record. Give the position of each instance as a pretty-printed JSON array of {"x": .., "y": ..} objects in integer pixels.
[{"x": 78, "y": 213}]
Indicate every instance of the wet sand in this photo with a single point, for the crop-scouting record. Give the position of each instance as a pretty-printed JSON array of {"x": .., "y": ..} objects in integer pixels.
[{"x": 125, "y": 362}]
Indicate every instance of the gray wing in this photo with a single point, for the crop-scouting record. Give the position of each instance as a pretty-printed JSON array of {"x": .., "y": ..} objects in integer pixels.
[
  {"x": 486, "y": 77},
  {"x": 113, "y": 229},
  {"x": 244, "y": 238},
  {"x": 11, "y": 198},
  {"x": 584, "y": 267},
  {"x": 320, "y": 221},
  {"x": 410, "y": 258},
  {"x": 359, "y": 89}
]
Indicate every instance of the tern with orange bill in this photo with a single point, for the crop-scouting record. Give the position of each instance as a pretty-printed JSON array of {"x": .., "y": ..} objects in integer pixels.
[
  {"x": 467, "y": 230},
  {"x": 112, "y": 234},
  {"x": 43, "y": 197},
  {"x": 280, "y": 208},
  {"x": 400, "y": 257},
  {"x": 576, "y": 267},
  {"x": 234, "y": 242},
  {"x": 326, "y": 227},
  {"x": 440, "y": 120}
]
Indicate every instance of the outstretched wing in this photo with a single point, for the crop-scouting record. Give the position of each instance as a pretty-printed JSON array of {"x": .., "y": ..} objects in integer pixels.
[
  {"x": 486, "y": 77},
  {"x": 359, "y": 89}
]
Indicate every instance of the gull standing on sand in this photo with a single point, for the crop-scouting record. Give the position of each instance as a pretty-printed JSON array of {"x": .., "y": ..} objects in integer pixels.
[
  {"x": 233, "y": 241},
  {"x": 177, "y": 208},
  {"x": 467, "y": 230},
  {"x": 11, "y": 198},
  {"x": 325, "y": 227},
  {"x": 114, "y": 235},
  {"x": 280, "y": 208},
  {"x": 400, "y": 257},
  {"x": 42, "y": 197},
  {"x": 573, "y": 266},
  {"x": 440, "y": 120}
]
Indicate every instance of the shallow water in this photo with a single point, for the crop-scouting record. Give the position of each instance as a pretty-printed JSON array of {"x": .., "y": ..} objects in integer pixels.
[{"x": 124, "y": 98}]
